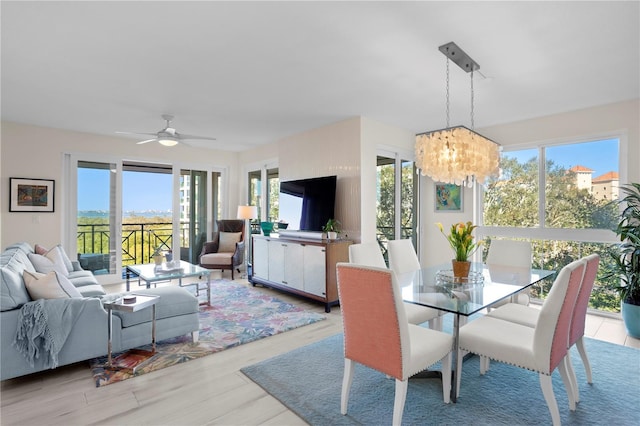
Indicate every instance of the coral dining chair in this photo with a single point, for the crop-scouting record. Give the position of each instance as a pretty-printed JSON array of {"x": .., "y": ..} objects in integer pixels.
[
  {"x": 369, "y": 254},
  {"x": 377, "y": 334},
  {"x": 403, "y": 260},
  {"x": 529, "y": 316},
  {"x": 541, "y": 349}
]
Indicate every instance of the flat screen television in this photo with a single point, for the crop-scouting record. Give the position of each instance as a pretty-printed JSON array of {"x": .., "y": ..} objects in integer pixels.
[{"x": 307, "y": 204}]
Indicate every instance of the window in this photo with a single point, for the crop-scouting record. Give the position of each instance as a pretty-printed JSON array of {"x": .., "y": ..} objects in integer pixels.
[
  {"x": 396, "y": 188},
  {"x": 119, "y": 212},
  {"x": 270, "y": 194},
  {"x": 558, "y": 197}
]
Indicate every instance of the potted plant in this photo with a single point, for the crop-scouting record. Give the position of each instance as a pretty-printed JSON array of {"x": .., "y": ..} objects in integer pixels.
[
  {"x": 626, "y": 258},
  {"x": 461, "y": 241},
  {"x": 157, "y": 256},
  {"x": 332, "y": 228}
]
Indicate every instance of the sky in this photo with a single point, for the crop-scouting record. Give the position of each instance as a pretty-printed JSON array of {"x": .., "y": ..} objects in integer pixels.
[
  {"x": 152, "y": 191},
  {"x": 600, "y": 156},
  {"x": 141, "y": 191}
]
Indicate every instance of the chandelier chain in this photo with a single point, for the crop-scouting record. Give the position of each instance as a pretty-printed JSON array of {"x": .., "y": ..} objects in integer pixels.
[
  {"x": 472, "y": 112},
  {"x": 447, "y": 92}
]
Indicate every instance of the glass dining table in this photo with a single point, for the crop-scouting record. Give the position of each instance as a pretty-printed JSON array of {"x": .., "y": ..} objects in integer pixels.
[{"x": 435, "y": 287}]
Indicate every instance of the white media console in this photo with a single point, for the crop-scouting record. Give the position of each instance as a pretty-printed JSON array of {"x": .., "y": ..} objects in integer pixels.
[
  {"x": 299, "y": 265},
  {"x": 308, "y": 235}
]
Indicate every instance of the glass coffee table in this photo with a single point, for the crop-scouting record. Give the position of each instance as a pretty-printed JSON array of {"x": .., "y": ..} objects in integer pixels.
[{"x": 151, "y": 273}]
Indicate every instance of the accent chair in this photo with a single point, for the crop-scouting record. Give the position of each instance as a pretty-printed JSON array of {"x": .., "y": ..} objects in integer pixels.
[{"x": 226, "y": 248}]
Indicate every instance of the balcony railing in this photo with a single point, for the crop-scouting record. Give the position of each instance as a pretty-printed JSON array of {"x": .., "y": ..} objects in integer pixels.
[{"x": 139, "y": 242}]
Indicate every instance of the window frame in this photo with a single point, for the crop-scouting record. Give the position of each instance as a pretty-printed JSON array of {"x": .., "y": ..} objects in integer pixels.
[{"x": 542, "y": 232}]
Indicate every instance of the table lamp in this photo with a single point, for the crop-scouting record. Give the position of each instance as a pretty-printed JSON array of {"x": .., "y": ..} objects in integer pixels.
[{"x": 247, "y": 213}]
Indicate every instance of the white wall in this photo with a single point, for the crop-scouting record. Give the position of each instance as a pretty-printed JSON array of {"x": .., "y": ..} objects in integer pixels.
[
  {"x": 347, "y": 149},
  {"x": 376, "y": 136},
  {"x": 330, "y": 150},
  {"x": 37, "y": 152},
  {"x": 601, "y": 121}
]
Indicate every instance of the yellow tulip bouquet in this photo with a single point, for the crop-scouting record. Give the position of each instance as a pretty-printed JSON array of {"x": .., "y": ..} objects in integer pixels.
[{"x": 461, "y": 240}]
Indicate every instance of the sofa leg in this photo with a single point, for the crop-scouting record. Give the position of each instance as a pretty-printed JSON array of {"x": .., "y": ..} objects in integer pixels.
[{"x": 195, "y": 336}]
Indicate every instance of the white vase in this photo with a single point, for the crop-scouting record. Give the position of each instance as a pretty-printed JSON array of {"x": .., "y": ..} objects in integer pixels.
[{"x": 332, "y": 235}]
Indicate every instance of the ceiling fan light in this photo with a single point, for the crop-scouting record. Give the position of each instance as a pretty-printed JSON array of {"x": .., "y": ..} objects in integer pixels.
[{"x": 168, "y": 141}]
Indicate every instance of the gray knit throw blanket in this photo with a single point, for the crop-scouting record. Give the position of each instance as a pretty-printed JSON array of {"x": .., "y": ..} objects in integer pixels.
[{"x": 43, "y": 328}]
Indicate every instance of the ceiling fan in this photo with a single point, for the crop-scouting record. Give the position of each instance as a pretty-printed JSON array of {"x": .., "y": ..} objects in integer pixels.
[{"x": 167, "y": 136}]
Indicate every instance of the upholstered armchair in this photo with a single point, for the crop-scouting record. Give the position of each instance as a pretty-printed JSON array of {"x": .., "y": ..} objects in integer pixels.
[{"x": 226, "y": 248}]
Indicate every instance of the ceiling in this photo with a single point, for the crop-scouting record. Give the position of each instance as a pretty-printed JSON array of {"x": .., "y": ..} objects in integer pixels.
[{"x": 250, "y": 73}]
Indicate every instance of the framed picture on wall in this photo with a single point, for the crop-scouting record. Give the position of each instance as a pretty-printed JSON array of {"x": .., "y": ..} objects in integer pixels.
[
  {"x": 448, "y": 197},
  {"x": 31, "y": 195}
]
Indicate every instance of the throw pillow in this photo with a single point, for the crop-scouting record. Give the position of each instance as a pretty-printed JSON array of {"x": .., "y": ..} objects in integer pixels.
[
  {"x": 51, "y": 262},
  {"x": 49, "y": 286},
  {"x": 65, "y": 258},
  {"x": 228, "y": 241},
  {"x": 39, "y": 249}
]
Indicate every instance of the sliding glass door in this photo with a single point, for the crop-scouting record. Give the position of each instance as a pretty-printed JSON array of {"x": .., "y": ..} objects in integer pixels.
[
  {"x": 193, "y": 213},
  {"x": 121, "y": 212},
  {"x": 96, "y": 228},
  {"x": 397, "y": 201}
]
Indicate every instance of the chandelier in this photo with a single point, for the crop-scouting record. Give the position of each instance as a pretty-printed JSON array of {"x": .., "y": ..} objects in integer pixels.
[{"x": 457, "y": 154}]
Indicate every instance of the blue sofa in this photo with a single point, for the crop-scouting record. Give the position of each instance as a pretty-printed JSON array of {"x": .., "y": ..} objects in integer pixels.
[{"x": 176, "y": 314}]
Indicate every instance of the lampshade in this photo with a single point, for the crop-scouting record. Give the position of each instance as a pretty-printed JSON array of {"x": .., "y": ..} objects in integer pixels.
[
  {"x": 455, "y": 154},
  {"x": 168, "y": 141},
  {"x": 247, "y": 212}
]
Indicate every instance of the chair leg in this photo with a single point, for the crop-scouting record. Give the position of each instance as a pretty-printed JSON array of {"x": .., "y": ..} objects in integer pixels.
[
  {"x": 347, "y": 378},
  {"x": 398, "y": 404},
  {"x": 435, "y": 323},
  {"x": 459, "y": 356},
  {"x": 572, "y": 377},
  {"x": 566, "y": 379},
  {"x": 484, "y": 364},
  {"x": 446, "y": 378},
  {"x": 438, "y": 323},
  {"x": 547, "y": 390},
  {"x": 585, "y": 359}
]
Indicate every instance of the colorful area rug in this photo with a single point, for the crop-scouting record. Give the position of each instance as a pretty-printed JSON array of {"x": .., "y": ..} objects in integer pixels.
[{"x": 238, "y": 315}]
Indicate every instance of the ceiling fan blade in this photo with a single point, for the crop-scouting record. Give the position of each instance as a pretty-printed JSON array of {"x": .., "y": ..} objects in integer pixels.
[
  {"x": 204, "y": 138},
  {"x": 137, "y": 133},
  {"x": 148, "y": 140}
]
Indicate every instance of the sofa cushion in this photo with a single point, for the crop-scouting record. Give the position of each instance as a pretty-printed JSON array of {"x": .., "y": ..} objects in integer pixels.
[
  {"x": 95, "y": 290},
  {"x": 217, "y": 258},
  {"x": 49, "y": 286},
  {"x": 13, "y": 293},
  {"x": 82, "y": 278},
  {"x": 22, "y": 246},
  {"x": 228, "y": 241},
  {"x": 174, "y": 301},
  {"x": 51, "y": 262}
]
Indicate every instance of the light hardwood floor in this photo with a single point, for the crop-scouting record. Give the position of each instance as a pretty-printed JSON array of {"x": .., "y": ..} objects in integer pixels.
[{"x": 209, "y": 390}]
